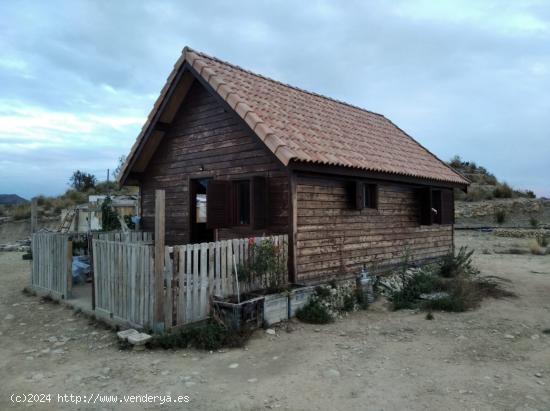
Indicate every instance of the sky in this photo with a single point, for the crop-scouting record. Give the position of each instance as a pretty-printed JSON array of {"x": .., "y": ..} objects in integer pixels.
[{"x": 468, "y": 78}]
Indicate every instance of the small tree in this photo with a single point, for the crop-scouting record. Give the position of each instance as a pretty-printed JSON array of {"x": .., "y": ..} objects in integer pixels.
[
  {"x": 118, "y": 169},
  {"x": 82, "y": 181},
  {"x": 109, "y": 217}
]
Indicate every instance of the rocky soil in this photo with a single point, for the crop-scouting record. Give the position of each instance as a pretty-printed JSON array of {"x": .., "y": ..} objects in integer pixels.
[
  {"x": 518, "y": 212},
  {"x": 494, "y": 358}
]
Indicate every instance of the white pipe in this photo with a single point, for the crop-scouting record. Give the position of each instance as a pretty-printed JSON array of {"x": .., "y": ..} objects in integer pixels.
[{"x": 237, "y": 280}]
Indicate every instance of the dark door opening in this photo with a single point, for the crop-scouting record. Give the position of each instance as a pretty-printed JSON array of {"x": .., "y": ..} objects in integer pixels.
[{"x": 199, "y": 233}]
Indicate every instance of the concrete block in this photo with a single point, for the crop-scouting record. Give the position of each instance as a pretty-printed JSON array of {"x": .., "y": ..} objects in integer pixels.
[
  {"x": 139, "y": 339},
  {"x": 123, "y": 335}
]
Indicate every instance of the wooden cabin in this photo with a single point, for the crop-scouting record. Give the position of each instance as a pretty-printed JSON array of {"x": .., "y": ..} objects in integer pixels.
[{"x": 239, "y": 154}]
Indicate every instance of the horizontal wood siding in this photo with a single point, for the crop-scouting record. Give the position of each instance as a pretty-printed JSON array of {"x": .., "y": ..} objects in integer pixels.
[
  {"x": 204, "y": 135},
  {"x": 335, "y": 240}
]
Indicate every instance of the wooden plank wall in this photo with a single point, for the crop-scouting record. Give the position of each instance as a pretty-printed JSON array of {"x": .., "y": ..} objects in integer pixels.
[
  {"x": 334, "y": 240},
  {"x": 196, "y": 272},
  {"x": 204, "y": 135},
  {"x": 124, "y": 281},
  {"x": 51, "y": 263}
]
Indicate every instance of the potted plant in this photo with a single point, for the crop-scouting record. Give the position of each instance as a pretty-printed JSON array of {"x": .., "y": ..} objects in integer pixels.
[{"x": 265, "y": 272}]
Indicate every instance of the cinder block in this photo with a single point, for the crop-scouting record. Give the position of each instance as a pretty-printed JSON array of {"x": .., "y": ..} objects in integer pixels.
[
  {"x": 123, "y": 335},
  {"x": 139, "y": 339}
]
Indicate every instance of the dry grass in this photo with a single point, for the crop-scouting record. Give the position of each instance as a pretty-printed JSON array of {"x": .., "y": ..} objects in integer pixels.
[{"x": 536, "y": 248}]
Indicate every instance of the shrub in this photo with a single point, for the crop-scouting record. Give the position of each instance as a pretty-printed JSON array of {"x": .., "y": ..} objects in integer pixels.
[
  {"x": 264, "y": 265},
  {"x": 530, "y": 194},
  {"x": 503, "y": 191},
  {"x": 500, "y": 216},
  {"x": 314, "y": 312},
  {"x": 21, "y": 211},
  {"x": 419, "y": 283},
  {"x": 109, "y": 217},
  {"x": 542, "y": 241},
  {"x": 207, "y": 335},
  {"x": 459, "y": 264},
  {"x": 534, "y": 222},
  {"x": 455, "y": 276},
  {"x": 536, "y": 248}
]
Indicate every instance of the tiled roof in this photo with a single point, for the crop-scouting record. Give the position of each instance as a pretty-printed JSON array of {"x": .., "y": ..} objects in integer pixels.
[{"x": 303, "y": 126}]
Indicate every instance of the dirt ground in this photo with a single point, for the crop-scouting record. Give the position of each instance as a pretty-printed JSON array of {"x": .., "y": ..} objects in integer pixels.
[{"x": 494, "y": 358}]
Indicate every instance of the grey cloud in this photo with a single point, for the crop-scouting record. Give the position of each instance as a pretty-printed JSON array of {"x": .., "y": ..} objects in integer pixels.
[{"x": 459, "y": 86}]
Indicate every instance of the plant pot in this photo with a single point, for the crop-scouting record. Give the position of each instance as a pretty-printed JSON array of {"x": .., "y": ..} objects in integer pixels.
[
  {"x": 275, "y": 308},
  {"x": 298, "y": 297},
  {"x": 248, "y": 314}
]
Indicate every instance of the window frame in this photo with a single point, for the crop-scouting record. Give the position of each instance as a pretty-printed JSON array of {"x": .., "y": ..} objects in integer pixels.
[{"x": 366, "y": 195}]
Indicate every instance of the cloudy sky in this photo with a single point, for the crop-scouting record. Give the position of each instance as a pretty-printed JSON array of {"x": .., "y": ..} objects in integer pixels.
[{"x": 78, "y": 78}]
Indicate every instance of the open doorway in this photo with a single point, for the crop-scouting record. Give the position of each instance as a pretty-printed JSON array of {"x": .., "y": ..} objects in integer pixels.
[{"x": 199, "y": 233}]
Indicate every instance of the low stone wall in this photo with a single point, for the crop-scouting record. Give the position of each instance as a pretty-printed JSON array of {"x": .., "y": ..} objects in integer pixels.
[{"x": 518, "y": 212}]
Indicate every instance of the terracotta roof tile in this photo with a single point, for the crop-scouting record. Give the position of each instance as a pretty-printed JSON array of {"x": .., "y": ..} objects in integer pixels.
[{"x": 303, "y": 126}]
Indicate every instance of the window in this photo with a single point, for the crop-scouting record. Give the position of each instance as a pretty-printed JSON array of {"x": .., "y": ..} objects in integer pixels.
[
  {"x": 200, "y": 188},
  {"x": 237, "y": 203},
  {"x": 363, "y": 195},
  {"x": 241, "y": 199},
  {"x": 436, "y": 206}
]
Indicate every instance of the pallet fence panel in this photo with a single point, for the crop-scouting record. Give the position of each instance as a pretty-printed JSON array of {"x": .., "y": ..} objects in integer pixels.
[
  {"x": 201, "y": 271},
  {"x": 51, "y": 264},
  {"x": 123, "y": 281}
]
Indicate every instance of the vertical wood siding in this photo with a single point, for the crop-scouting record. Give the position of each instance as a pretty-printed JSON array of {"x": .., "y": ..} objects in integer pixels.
[
  {"x": 204, "y": 134},
  {"x": 334, "y": 240}
]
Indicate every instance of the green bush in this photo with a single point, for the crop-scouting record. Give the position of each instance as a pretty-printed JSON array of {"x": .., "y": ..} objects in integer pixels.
[
  {"x": 264, "y": 265},
  {"x": 207, "y": 335},
  {"x": 457, "y": 277},
  {"x": 500, "y": 216},
  {"x": 534, "y": 222},
  {"x": 109, "y": 217},
  {"x": 503, "y": 191},
  {"x": 21, "y": 211},
  {"x": 419, "y": 283},
  {"x": 459, "y": 264},
  {"x": 314, "y": 312}
]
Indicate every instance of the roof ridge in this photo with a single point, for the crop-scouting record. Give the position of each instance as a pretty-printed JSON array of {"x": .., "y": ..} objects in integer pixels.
[{"x": 235, "y": 66}]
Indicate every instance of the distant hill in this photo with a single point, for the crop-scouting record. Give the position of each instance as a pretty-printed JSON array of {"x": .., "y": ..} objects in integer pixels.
[
  {"x": 485, "y": 186},
  {"x": 11, "y": 199}
]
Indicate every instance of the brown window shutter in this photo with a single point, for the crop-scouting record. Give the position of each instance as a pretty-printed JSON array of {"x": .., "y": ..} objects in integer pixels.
[
  {"x": 218, "y": 204},
  {"x": 424, "y": 198},
  {"x": 359, "y": 195},
  {"x": 259, "y": 202},
  {"x": 447, "y": 207}
]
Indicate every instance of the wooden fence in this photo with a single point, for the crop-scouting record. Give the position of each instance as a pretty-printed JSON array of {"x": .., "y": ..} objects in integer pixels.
[
  {"x": 130, "y": 236},
  {"x": 124, "y": 281},
  {"x": 51, "y": 264},
  {"x": 196, "y": 272},
  {"x": 193, "y": 273}
]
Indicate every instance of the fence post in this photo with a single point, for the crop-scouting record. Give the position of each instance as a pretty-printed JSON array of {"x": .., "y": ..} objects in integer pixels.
[
  {"x": 34, "y": 216},
  {"x": 158, "y": 325}
]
